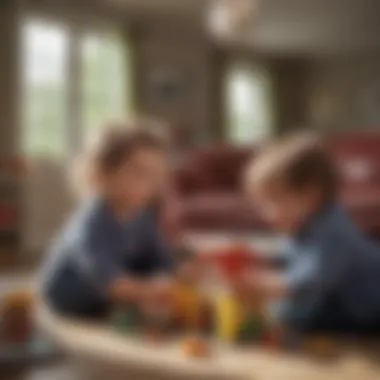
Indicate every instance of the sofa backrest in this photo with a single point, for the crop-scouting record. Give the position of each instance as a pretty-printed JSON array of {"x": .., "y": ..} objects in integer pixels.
[
  {"x": 357, "y": 157},
  {"x": 213, "y": 168},
  {"x": 219, "y": 168}
]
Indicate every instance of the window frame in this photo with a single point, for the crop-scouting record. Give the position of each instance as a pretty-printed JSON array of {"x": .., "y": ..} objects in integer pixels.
[{"x": 77, "y": 28}]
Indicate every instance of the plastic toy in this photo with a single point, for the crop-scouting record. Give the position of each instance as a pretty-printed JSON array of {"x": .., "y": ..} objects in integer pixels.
[
  {"x": 16, "y": 318},
  {"x": 205, "y": 318},
  {"x": 126, "y": 318},
  {"x": 320, "y": 346},
  {"x": 186, "y": 305},
  {"x": 205, "y": 300},
  {"x": 251, "y": 329},
  {"x": 228, "y": 317},
  {"x": 236, "y": 319},
  {"x": 157, "y": 313},
  {"x": 195, "y": 347}
]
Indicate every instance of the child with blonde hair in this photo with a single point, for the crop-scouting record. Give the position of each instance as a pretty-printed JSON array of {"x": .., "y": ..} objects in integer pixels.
[
  {"x": 111, "y": 244},
  {"x": 332, "y": 275}
]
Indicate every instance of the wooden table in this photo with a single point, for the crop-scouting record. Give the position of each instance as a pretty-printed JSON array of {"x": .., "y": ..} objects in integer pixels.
[{"x": 103, "y": 353}]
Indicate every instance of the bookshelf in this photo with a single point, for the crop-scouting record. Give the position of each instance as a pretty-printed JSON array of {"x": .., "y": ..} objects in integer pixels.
[{"x": 11, "y": 183}]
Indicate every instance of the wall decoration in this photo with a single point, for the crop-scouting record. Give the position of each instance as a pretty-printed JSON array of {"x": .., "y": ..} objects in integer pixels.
[{"x": 168, "y": 85}]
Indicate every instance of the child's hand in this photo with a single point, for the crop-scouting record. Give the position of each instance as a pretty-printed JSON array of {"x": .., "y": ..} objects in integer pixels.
[
  {"x": 260, "y": 284},
  {"x": 189, "y": 271},
  {"x": 160, "y": 289},
  {"x": 248, "y": 284},
  {"x": 127, "y": 289}
]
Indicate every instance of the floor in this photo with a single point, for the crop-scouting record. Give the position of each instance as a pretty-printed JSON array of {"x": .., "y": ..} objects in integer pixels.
[
  {"x": 58, "y": 371},
  {"x": 62, "y": 370}
]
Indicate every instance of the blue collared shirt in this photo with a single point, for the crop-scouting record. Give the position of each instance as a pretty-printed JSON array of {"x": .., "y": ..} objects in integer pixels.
[
  {"x": 94, "y": 249},
  {"x": 331, "y": 258}
]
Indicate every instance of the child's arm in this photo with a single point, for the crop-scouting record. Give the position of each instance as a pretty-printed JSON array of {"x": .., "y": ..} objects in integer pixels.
[
  {"x": 161, "y": 252},
  {"x": 129, "y": 289},
  {"x": 317, "y": 271},
  {"x": 269, "y": 284},
  {"x": 101, "y": 265}
]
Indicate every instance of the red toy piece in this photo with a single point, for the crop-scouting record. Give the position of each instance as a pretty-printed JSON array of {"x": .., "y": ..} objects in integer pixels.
[{"x": 233, "y": 261}]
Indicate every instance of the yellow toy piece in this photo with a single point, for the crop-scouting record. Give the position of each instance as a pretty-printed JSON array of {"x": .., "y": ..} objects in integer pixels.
[{"x": 228, "y": 317}]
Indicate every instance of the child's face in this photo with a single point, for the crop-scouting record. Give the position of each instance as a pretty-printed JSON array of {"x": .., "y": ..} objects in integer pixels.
[
  {"x": 139, "y": 179},
  {"x": 285, "y": 209}
]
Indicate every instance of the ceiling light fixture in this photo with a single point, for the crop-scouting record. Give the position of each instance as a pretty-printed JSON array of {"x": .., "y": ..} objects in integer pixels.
[{"x": 231, "y": 19}]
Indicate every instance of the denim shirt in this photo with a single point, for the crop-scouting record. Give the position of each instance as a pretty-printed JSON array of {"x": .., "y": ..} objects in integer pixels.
[
  {"x": 330, "y": 258},
  {"x": 93, "y": 250}
]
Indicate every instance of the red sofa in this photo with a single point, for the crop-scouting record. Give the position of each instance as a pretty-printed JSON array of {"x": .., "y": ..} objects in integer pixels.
[
  {"x": 357, "y": 157},
  {"x": 208, "y": 185}
]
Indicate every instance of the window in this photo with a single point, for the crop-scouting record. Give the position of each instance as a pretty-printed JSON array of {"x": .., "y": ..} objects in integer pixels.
[
  {"x": 44, "y": 79},
  {"x": 104, "y": 80},
  {"x": 51, "y": 54},
  {"x": 248, "y": 104}
]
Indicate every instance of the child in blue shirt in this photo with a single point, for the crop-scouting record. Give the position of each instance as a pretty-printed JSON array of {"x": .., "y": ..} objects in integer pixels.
[
  {"x": 111, "y": 246},
  {"x": 332, "y": 275}
]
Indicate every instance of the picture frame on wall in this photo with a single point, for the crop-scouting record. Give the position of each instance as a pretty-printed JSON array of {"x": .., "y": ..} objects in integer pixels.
[{"x": 169, "y": 86}]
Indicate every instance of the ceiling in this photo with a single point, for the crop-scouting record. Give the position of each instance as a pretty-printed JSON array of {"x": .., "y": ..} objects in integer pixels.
[
  {"x": 299, "y": 25},
  {"x": 181, "y": 7}
]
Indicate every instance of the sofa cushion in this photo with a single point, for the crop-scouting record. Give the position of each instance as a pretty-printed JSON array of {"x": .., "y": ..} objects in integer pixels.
[{"x": 219, "y": 211}]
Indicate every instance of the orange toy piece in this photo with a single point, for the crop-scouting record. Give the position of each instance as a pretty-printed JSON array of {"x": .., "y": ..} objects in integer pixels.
[
  {"x": 195, "y": 348},
  {"x": 186, "y": 304},
  {"x": 16, "y": 316}
]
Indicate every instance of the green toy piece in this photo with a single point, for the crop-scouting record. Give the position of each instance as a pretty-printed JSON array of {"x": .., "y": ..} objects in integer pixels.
[
  {"x": 126, "y": 318},
  {"x": 251, "y": 330}
]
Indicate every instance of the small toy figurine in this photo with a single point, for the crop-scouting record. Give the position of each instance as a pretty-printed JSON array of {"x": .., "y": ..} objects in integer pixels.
[
  {"x": 228, "y": 317},
  {"x": 273, "y": 337},
  {"x": 16, "y": 316},
  {"x": 321, "y": 346},
  {"x": 195, "y": 347},
  {"x": 186, "y": 304},
  {"x": 187, "y": 300},
  {"x": 205, "y": 318},
  {"x": 228, "y": 264},
  {"x": 252, "y": 329},
  {"x": 126, "y": 318},
  {"x": 157, "y": 311}
]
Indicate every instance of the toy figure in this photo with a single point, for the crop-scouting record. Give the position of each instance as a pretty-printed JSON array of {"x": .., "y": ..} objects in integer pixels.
[
  {"x": 195, "y": 347},
  {"x": 252, "y": 329},
  {"x": 187, "y": 300},
  {"x": 186, "y": 304},
  {"x": 205, "y": 318},
  {"x": 126, "y": 318},
  {"x": 320, "y": 346},
  {"x": 228, "y": 316},
  {"x": 16, "y": 318},
  {"x": 232, "y": 309},
  {"x": 157, "y": 311}
]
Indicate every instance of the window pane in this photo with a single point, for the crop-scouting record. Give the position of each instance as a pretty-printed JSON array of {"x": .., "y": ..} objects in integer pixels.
[
  {"x": 248, "y": 104},
  {"x": 44, "y": 82},
  {"x": 104, "y": 80}
]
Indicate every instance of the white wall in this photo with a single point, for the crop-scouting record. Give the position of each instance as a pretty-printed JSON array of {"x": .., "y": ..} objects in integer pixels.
[
  {"x": 187, "y": 55},
  {"x": 345, "y": 92}
]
